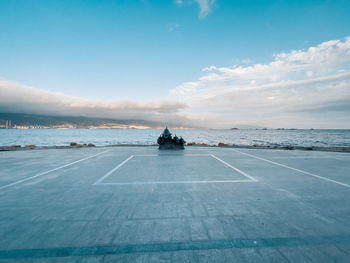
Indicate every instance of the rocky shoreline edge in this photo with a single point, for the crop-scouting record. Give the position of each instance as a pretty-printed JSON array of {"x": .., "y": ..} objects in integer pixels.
[{"x": 74, "y": 145}]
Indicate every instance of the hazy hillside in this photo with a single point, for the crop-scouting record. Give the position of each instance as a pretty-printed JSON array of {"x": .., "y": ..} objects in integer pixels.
[{"x": 42, "y": 120}]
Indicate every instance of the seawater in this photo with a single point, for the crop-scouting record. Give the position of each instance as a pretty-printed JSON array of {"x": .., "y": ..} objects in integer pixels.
[{"x": 102, "y": 137}]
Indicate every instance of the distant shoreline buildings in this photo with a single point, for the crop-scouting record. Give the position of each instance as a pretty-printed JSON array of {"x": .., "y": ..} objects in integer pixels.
[
  {"x": 7, "y": 125},
  {"x": 33, "y": 121}
]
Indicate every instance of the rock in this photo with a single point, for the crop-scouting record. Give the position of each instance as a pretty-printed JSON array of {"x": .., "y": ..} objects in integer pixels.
[
  {"x": 74, "y": 144},
  {"x": 288, "y": 147},
  {"x": 91, "y": 145},
  {"x": 31, "y": 146},
  {"x": 309, "y": 148},
  {"x": 255, "y": 145},
  {"x": 221, "y": 144}
]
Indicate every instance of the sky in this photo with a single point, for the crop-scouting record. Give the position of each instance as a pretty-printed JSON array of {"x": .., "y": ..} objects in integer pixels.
[{"x": 206, "y": 63}]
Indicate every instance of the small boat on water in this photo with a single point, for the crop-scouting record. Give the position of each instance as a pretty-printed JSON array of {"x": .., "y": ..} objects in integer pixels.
[{"x": 167, "y": 142}]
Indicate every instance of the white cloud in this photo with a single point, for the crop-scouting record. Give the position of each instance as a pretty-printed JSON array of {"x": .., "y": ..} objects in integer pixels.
[
  {"x": 300, "y": 88},
  {"x": 178, "y": 2},
  {"x": 309, "y": 73},
  {"x": 263, "y": 93},
  {"x": 15, "y": 97},
  {"x": 172, "y": 27},
  {"x": 185, "y": 88},
  {"x": 205, "y": 6},
  {"x": 327, "y": 58}
]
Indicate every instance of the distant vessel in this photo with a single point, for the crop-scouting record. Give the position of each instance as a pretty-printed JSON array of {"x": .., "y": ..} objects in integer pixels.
[{"x": 167, "y": 142}]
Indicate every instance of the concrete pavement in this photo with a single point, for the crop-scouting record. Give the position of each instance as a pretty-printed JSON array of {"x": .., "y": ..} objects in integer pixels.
[{"x": 204, "y": 204}]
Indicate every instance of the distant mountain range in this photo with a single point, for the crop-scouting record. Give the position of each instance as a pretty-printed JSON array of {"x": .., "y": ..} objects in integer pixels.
[
  {"x": 32, "y": 120},
  {"x": 23, "y": 120}
]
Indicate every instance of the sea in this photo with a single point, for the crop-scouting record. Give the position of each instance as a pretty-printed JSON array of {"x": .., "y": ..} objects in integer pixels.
[{"x": 240, "y": 137}]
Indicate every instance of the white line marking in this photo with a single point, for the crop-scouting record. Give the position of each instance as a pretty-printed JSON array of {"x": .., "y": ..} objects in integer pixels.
[
  {"x": 179, "y": 182},
  {"x": 146, "y": 155},
  {"x": 152, "y": 155},
  {"x": 295, "y": 169},
  {"x": 113, "y": 170},
  {"x": 234, "y": 168},
  {"x": 99, "y": 181},
  {"x": 52, "y": 170}
]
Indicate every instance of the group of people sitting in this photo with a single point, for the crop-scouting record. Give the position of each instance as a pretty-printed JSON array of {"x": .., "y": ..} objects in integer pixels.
[
  {"x": 174, "y": 140},
  {"x": 166, "y": 138}
]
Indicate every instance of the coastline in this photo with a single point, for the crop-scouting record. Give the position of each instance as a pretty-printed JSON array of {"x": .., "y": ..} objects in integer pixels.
[{"x": 219, "y": 145}]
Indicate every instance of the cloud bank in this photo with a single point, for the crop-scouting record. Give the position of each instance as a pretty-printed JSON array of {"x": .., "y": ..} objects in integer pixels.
[
  {"x": 17, "y": 98},
  {"x": 301, "y": 88}
]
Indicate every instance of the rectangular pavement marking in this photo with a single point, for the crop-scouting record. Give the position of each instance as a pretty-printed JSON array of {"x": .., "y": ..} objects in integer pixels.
[
  {"x": 173, "y": 246},
  {"x": 292, "y": 168},
  {"x": 168, "y": 154},
  {"x": 113, "y": 170},
  {"x": 100, "y": 181},
  {"x": 180, "y": 182},
  {"x": 234, "y": 168},
  {"x": 52, "y": 170}
]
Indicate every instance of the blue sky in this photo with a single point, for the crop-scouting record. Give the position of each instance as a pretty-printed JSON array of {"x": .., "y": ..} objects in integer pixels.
[{"x": 145, "y": 51}]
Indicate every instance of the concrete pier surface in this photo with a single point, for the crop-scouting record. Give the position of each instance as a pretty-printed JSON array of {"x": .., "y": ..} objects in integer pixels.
[{"x": 203, "y": 204}]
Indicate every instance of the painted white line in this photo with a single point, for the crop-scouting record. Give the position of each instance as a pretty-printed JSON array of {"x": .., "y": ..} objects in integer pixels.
[
  {"x": 197, "y": 154},
  {"x": 295, "y": 169},
  {"x": 99, "y": 181},
  {"x": 152, "y": 155},
  {"x": 179, "y": 182},
  {"x": 52, "y": 170},
  {"x": 234, "y": 168},
  {"x": 113, "y": 170},
  {"x": 146, "y": 155}
]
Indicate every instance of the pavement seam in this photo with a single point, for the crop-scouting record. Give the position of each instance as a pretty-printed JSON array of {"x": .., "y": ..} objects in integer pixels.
[{"x": 157, "y": 247}]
